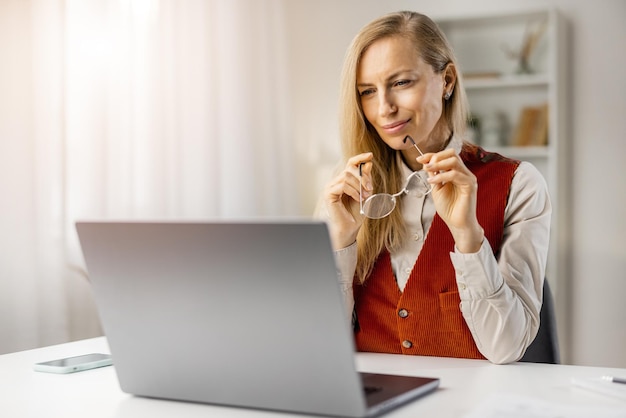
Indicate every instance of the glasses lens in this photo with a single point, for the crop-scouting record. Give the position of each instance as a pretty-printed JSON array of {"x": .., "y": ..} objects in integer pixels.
[
  {"x": 416, "y": 186},
  {"x": 379, "y": 206}
]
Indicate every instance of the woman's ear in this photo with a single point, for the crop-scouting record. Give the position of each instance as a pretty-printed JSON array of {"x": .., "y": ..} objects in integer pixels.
[{"x": 449, "y": 79}]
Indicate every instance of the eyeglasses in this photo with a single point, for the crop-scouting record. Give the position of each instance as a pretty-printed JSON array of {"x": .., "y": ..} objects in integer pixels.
[{"x": 381, "y": 205}]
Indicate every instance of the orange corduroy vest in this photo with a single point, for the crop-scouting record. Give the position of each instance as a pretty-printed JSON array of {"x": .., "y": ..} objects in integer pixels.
[{"x": 426, "y": 318}]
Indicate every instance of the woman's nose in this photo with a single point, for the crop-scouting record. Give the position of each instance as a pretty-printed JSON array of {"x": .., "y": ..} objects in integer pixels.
[{"x": 386, "y": 106}]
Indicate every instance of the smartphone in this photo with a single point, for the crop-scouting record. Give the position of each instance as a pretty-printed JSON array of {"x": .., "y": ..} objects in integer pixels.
[{"x": 74, "y": 364}]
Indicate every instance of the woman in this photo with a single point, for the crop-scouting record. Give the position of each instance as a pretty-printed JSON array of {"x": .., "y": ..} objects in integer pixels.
[{"x": 456, "y": 268}]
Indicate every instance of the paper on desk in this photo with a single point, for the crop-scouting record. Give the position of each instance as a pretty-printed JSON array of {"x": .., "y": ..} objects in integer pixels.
[
  {"x": 600, "y": 385},
  {"x": 507, "y": 405}
]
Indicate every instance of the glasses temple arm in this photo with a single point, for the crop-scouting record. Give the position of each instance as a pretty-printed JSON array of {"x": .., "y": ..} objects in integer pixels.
[
  {"x": 414, "y": 144},
  {"x": 361, "y": 188}
]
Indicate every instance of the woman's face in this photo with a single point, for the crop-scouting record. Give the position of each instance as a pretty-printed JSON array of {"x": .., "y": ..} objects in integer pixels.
[{"x": 402, "y": 95}]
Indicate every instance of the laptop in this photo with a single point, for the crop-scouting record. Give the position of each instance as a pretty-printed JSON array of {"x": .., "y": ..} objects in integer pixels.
[{"x": 245, "y": 314}]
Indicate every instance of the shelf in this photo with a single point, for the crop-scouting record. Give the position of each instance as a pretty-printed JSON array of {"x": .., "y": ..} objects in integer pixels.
[
  {"x": 522, "y": 153},
  {"x": 531, "y": 80}
]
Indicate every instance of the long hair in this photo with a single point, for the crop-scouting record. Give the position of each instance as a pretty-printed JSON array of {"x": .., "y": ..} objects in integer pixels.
[{"x": 358, "y": 136}]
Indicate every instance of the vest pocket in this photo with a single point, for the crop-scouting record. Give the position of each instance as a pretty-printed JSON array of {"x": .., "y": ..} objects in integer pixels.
[
  {"x": 449, "y": 300},
  {"x": 452, "y": 327},
  {"x": 454, "y": 338}
]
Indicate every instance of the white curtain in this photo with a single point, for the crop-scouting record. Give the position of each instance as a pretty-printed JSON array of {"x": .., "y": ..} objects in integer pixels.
[{"x": 130, "y": 109}]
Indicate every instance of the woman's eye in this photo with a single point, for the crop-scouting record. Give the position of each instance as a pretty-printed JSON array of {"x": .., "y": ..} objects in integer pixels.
[
  {"x": 402, "y": 83},
  {"x": 366, "y": 92}
]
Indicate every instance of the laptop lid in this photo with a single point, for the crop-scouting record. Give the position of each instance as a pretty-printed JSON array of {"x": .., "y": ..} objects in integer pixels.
[{"x": 235, "y": 313}]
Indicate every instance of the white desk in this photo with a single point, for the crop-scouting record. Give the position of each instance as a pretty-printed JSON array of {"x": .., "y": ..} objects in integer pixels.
[{"x": 464, "y": 384}]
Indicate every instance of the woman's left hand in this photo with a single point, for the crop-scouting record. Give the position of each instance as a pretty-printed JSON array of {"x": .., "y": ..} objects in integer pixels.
[{"x": 455, "y": 191}]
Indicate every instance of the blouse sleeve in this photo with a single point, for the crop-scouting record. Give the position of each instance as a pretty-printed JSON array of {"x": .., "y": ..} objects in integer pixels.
[
  {"x": 346, "y": 266},
  {"x": 345, "y": 260},
  {"x": 501, "y": 298}
]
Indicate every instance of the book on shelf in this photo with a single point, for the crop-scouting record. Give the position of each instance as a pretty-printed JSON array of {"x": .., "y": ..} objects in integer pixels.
[{"x": 532, "y": 127}]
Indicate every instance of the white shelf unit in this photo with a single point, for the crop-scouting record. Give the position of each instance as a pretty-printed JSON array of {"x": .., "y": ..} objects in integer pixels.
[{"x": 494, "y": 86}]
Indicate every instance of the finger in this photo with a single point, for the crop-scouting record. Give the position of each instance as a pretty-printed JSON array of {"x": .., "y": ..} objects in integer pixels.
[
  {"x": 442, "y": 177},
  {"x": 436, "y": 155},
  {"x": 355, "y": 161},
  {"x": 443, "y": 163},
  {"x": 425, "y": 159},
  {"x": 461, "y": 178},
  {"x": 349, "y": 185},
  {"x": 353, "y": 189},
  {"x": 361, "y": 166}
]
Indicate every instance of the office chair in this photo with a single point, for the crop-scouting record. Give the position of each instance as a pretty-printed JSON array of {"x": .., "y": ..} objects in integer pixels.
[{"x": 545, "y": 346}]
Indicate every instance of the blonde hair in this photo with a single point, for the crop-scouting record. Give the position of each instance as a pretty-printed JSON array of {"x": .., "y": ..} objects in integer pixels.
[{"x": 358, "y": 136}]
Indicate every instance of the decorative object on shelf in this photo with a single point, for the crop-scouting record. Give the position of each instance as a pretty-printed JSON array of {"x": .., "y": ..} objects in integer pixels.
[
  {"x": 532, "y": 128},
  {"x": 494, "y": 130},
  {"x": 532, "y": 37}
]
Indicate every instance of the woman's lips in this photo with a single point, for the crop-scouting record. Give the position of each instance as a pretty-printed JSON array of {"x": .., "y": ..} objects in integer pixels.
[{"x": 395, "y": 127}]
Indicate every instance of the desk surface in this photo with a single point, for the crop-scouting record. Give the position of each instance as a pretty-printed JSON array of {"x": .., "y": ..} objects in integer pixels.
[{"x": 464, "y": 385}]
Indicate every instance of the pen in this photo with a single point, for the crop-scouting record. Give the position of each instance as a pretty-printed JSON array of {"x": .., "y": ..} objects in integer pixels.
[{"x": 614, "y": 379}]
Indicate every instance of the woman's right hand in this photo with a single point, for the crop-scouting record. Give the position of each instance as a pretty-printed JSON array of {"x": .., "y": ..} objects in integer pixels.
[{"x": 342, "y": 200}]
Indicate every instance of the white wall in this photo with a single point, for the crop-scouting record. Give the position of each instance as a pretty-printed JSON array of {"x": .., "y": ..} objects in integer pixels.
[
  {"x": 591, "y": 297},
  {"x": 598, "y": 131}
]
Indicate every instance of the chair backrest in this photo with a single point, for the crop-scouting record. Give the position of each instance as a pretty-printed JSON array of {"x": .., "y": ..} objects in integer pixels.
[{"x": 545, "y": 346}]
